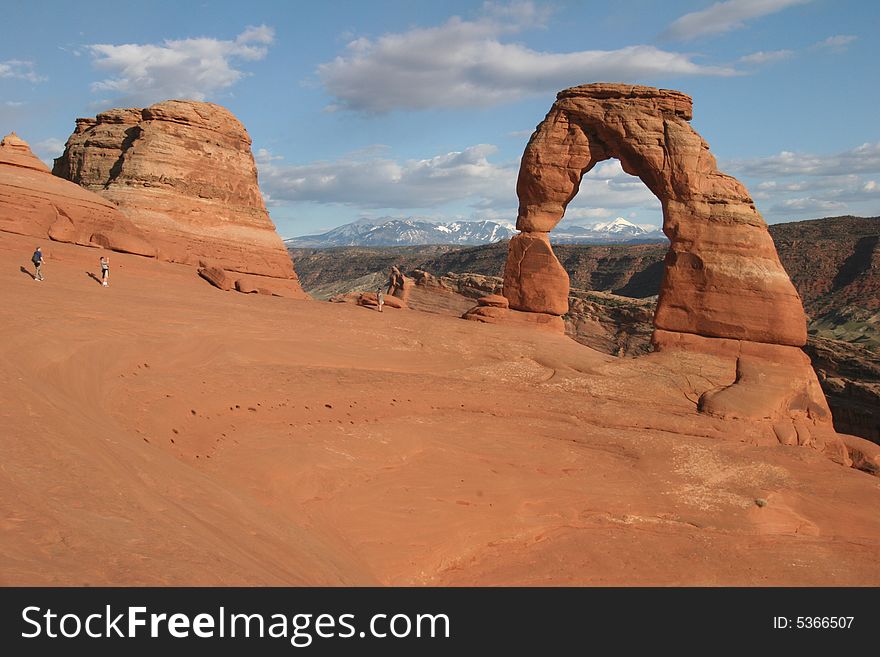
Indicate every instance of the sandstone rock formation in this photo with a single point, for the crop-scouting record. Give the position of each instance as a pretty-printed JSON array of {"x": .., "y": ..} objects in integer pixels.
[
  {"x": 367, "y": 300},
  {"x": 34, "y": 202},
  {"x": 490, "y": 312},
  {"x": 183, "y": 172},
  {"x": 534, "y": 280},
  {"x": 849, "y": 372},
  {"x": 217, "y": 277},
  {"x": 371, "y": 300},
  {"x": 723, "y": 277},
  {"x": 399, "y": 286},
  {"x": 724, "y": 291},
  {"x": 494, "y": 301}
]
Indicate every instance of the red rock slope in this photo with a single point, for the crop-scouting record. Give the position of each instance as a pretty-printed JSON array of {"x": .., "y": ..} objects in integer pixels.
[
  {"x": 247, "y": 440},
  {"x": 34, "y": 202}
]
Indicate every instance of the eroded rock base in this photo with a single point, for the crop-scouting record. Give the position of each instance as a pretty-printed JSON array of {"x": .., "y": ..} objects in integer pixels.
[{"x": 771, "y": 384}]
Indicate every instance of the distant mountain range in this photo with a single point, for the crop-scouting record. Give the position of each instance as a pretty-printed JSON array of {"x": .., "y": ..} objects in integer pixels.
[
  {"x": 406, "y": 232},
  {"x": 410, "y": 232},
  {"x": 617, "y": 231}
]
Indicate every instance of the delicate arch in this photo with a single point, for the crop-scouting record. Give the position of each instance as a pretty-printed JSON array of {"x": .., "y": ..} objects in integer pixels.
[{"x": 722, "y": 275}]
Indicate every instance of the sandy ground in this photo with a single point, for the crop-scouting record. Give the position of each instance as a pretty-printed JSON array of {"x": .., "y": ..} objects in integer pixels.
[{"x": 161, "y": 431}]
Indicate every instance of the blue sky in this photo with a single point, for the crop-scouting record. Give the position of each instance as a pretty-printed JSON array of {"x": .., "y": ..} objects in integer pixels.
[{"x": 421, "y": 108}]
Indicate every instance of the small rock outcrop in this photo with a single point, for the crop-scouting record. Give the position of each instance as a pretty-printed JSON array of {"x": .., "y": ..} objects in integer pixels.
[
  {"x": 34, "y": 202},
  {"x": 184, "y": 174},
  {"x": 399, "y": 286}
]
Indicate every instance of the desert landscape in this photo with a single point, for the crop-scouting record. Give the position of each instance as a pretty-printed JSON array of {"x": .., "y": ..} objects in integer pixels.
[
  {"x": 614, "y": 293},
  {"x": 423, "y": 297},
  {"x": 203, "y": 421},
  {"x": 401, "y": 448}
]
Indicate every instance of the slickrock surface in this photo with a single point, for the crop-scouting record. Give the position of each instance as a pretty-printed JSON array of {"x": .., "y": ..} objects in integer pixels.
[
  {"x": 36, "y": 203},
  {"x": 183, "y": 172},
  {"x": 250, "y": 440}
]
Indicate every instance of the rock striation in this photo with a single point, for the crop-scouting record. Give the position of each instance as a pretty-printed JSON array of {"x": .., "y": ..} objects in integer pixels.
[
  {"x": 34, "y": 202},
  {"x": 724, "y": 292},
  {"x": 184, "y": 174}
]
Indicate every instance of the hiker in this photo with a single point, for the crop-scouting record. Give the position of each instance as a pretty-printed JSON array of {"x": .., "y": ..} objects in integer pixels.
[
  {"x": 37, "y": 259},
  {"x": 105, "y": 271},
  {"x": 380, "y": 298}
]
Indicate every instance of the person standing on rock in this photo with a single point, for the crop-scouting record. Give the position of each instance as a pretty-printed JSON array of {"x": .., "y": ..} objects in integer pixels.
[
  {"x": 380, "y": 298},
  {"x": 37, "y": 259},
  {"x": 105, "y": 271}
]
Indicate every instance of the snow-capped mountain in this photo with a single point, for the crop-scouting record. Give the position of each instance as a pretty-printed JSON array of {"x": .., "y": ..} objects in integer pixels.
[
  {"x": 620, "y": 226},
  {"x": 402, "y": 232},
  {"x": 618, "y": 231},
  {"x": 406, "y": 232}
]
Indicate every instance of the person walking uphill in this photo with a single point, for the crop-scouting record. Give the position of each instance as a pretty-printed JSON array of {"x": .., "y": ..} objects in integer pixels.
[
  {"x": 380, "y": 298},
  {"x": 37, "y": 259},
  {"x": 105, "y": 271}
]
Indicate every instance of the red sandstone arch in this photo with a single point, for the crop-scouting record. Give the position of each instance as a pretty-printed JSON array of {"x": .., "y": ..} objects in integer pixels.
[
  {"x": 723, "y": 278},
  {"x": 724, "y": 292}
]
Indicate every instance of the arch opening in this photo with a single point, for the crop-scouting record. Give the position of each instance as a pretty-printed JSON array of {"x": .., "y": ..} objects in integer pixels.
[{"x": 611, "y": 244}]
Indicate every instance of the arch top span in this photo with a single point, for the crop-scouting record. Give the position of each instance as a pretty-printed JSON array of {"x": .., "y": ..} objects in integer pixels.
[
  {"x": 668, "y": 101},
  {"x": 722, "y": 277}
]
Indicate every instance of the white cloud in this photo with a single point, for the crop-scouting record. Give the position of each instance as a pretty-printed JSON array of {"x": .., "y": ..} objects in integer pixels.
[
  {"x": 381, "y": 182},
  {"x": 18, "y": 69},
  {"x": 573, "y": 215},
  {"x": 366, "y": 180},
  {"x": 827, "y": 185},
  {"x": 48, "y": 149},
  {"x": 836, "y": 43},
  {"x": 862, "y": 159},
  {"x": 762, "y": 57},
  {"x": 466, "y": 64},
  {"x": 809, "y": 204},
  {"x": 607, "y": 186},
  {"x": 262, "y": 34},
  {"x": 805, "y": 185},
  {"x": 195, "y": 68},
  {"x": 723, "y": 17},
  {"x": 265, "y": 156}
]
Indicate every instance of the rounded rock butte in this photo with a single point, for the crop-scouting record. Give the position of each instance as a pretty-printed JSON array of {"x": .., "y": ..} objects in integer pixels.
[
  {"x": 183, "y": 172},
  {"x": 724, "y": 290}
]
